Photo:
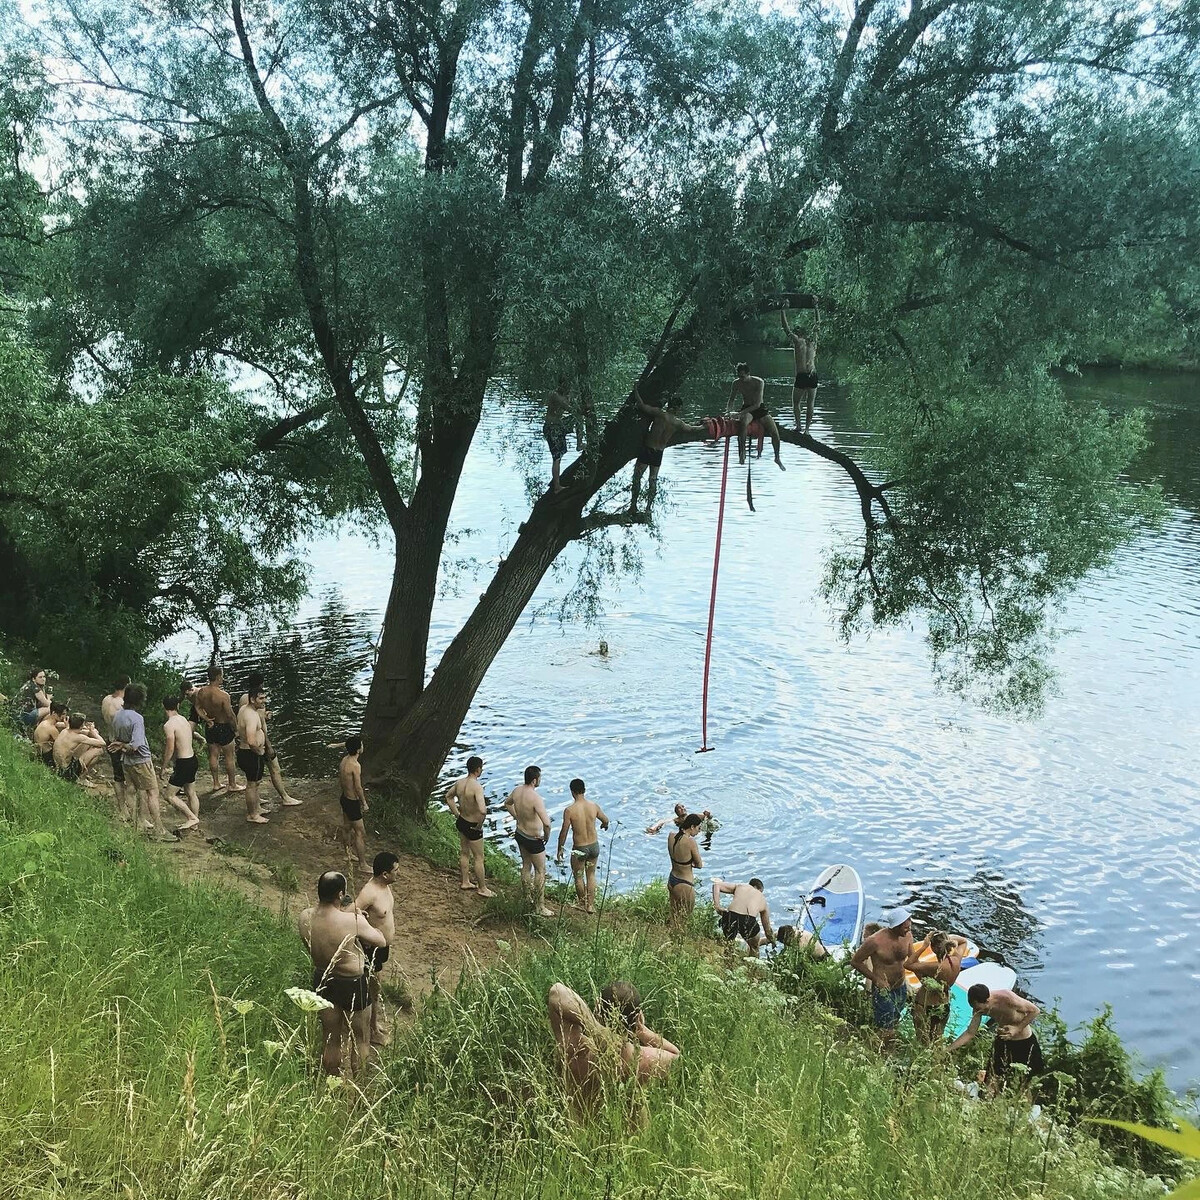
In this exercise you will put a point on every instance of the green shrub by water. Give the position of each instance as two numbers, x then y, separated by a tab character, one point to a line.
147	1050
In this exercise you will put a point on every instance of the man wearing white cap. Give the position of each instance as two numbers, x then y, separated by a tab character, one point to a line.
881	958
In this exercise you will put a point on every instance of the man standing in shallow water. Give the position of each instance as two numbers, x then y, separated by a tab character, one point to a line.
880	959
533	828
580	816
465	800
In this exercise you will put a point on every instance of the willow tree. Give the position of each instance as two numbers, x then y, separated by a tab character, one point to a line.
384	208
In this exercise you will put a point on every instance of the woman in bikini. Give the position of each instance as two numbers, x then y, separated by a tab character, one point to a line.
685	858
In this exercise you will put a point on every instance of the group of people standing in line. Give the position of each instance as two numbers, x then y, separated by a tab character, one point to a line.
666	426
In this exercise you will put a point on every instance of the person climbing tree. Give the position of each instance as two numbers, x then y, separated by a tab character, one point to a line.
665	427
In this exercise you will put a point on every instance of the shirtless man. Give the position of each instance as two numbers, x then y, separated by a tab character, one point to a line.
251	741
335	937
213	707
1015	1040
665	427
109	707
270	754
129	737
378	905
464	799
614	1041
804	389
354	800
747	907
754	408
77	748
556	427
580	817
46	731
178	751
880	958
931	1009
533	828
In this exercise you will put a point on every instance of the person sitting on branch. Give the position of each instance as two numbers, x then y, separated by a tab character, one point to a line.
754	408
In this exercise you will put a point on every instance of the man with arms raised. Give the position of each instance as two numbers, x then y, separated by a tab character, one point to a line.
754	408
354	800
533	828
580	816
1015	1040
880	958
47	730
77	748
614	1041
747	907
378	905
665	427
251	745
335	937
129	737
804	389
109	707
464	799
212	705
179	752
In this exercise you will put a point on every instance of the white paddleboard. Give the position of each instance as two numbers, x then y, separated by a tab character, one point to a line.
994	975
833	909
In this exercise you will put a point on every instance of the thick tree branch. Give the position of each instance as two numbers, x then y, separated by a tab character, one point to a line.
607	520
270	437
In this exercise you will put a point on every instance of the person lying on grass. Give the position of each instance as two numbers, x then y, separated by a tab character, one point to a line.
614	1041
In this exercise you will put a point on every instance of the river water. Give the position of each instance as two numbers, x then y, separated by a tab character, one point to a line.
1067	844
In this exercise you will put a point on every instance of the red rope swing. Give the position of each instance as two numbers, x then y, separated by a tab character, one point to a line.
727	428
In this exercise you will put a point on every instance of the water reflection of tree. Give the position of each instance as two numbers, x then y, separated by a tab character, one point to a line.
986	907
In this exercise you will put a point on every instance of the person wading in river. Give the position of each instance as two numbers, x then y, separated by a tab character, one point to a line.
212	705
754	408
377	903
464	799
533	828
665	428
881	958
804	389
335	938
580	817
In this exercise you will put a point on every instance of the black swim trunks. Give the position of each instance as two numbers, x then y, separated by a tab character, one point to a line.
1027	1052
350	995
220	733
118	766
556	439
806	380
251	763
531	845
759	412
471	832
352	808
738	925
649	456
375	957
185	771
71	771
48	759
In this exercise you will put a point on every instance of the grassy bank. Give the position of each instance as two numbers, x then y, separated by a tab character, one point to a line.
147	1049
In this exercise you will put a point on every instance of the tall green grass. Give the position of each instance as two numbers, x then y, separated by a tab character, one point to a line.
147	1050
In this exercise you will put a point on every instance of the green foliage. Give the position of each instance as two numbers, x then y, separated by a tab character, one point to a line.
1185	1142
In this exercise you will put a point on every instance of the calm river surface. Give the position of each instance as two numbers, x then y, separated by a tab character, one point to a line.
1068	844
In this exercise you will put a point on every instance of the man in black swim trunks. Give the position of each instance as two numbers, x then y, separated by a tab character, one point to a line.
465	800
354	800
533	828
213	706
556	427
378	905
747	907
754	408
335	937
665	427
804	389
1015	1043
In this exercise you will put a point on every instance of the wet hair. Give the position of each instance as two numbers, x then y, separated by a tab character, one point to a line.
330	886
623	999
474	764
978	993
135	697
743	368
76	721
353	744
171	703
214	673
57	709
121	684
691	821
757	883
578	787
786	934
678	807
532	774
384	861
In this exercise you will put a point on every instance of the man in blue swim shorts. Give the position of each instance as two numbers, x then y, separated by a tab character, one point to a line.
880	959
